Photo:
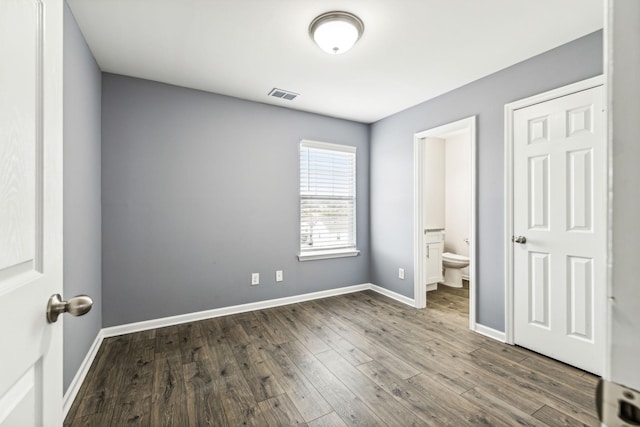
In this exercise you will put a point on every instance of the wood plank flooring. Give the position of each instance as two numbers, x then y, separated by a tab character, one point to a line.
353	360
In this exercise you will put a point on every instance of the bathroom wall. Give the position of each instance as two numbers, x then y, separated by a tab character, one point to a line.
392	162
457	194
434	183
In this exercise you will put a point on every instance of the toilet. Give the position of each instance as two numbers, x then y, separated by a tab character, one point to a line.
453	265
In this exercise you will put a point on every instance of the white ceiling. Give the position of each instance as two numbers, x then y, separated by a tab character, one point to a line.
411	50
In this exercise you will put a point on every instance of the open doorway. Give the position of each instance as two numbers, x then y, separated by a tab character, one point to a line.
445	215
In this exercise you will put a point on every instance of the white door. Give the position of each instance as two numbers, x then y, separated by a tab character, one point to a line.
559	199
30	211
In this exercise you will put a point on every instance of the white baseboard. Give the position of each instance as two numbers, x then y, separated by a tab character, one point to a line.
490	332
74	387
78	379
225	311
393	295
432	287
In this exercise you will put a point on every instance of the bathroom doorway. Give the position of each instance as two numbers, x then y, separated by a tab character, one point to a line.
445	213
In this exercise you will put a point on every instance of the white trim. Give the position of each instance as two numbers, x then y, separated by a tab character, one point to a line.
81	374
327	146
509	110
243	308
608	73
393	295
225	311
419	272
473	235
432	287
490	332
420	290
508	223
129	328
556	93
332	253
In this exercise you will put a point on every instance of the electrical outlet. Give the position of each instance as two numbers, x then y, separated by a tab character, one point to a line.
255	279
279	276
401	273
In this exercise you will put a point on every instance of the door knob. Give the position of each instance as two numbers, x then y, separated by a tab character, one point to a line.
76	306
519	239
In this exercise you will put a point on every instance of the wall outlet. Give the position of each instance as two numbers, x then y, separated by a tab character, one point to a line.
401	273
255	279
279	277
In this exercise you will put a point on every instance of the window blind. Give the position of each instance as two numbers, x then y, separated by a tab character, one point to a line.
327	196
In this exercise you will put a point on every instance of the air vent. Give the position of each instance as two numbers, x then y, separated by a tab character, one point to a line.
283	94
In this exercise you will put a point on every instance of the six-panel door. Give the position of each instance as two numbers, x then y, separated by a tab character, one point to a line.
560	203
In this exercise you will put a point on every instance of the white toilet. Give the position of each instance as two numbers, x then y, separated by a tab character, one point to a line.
453	265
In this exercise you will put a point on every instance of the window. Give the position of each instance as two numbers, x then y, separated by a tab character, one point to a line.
327	201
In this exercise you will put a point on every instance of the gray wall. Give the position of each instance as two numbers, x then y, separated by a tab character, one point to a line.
392	166
82	212
200	190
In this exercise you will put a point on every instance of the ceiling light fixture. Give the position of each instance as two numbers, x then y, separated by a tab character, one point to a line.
336	32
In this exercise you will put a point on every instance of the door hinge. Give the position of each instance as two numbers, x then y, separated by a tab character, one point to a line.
617	405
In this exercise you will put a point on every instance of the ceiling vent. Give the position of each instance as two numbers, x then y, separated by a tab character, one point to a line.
283	94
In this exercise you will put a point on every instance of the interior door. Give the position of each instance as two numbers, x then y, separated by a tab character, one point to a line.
30	211
559	254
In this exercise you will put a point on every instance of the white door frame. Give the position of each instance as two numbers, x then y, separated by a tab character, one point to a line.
419	260
509	110
621	54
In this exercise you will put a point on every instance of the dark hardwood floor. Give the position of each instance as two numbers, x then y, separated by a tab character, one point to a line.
357	359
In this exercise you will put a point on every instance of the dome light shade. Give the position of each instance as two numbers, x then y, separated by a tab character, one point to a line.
336	32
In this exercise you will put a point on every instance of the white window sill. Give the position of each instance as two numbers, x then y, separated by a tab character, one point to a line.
335	253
